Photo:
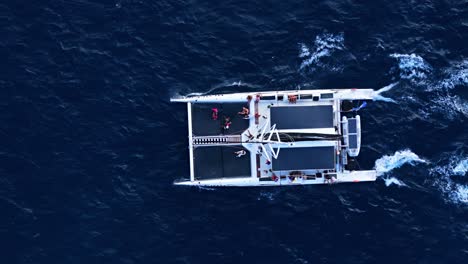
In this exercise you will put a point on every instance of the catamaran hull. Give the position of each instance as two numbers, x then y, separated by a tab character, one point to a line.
351	177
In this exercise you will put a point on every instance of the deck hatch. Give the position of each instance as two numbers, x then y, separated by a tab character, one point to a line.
353	141
268	97
326	96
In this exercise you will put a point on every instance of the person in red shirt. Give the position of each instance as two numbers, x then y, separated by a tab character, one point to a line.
214	113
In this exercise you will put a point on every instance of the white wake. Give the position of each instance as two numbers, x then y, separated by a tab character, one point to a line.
393	180
378	97
412	67
445	178
324	46
387	163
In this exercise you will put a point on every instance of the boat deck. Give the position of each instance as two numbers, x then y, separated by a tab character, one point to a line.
204	125
220	162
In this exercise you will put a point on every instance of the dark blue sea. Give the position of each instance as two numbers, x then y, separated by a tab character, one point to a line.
90	144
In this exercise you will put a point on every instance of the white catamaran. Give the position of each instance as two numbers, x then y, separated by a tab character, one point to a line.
275	138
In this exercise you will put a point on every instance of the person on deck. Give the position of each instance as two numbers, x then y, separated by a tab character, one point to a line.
240	153
227	123
214	113
292	98
245	112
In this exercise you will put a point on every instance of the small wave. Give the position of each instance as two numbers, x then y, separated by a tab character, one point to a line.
269	196
305	52
225	84
205	188
17	206
203	93
412	67
324	46
239	83
393	180
388	163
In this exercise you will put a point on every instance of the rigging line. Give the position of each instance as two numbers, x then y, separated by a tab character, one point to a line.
291	138
359	166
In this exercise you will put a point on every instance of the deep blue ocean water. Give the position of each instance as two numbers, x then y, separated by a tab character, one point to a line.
90	145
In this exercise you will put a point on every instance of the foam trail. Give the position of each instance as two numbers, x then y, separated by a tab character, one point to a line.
412	67
461	168
224	85
459	193
305	52
457	75
203	93
386	88
454	191
393	180
450	105
378	97
457	165
388	163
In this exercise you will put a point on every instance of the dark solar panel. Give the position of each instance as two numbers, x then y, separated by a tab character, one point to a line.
326	96
302	117
352	141
305	158
352	125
